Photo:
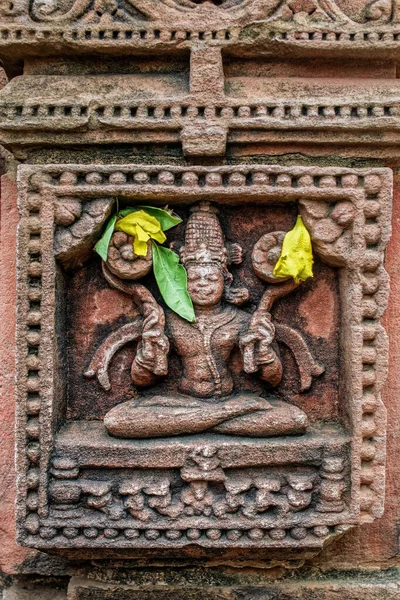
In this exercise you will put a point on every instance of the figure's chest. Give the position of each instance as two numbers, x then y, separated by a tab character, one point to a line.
225	337
197	339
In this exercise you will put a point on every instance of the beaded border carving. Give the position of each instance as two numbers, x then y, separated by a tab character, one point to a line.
364	292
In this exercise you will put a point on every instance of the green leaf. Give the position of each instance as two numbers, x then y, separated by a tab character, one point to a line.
164	217
102	245
171	279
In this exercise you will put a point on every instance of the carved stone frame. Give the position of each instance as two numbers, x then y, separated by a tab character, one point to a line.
363	291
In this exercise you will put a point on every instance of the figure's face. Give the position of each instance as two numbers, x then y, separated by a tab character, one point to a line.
205	284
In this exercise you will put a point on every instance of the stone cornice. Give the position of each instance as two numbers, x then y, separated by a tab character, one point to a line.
82	110
276	29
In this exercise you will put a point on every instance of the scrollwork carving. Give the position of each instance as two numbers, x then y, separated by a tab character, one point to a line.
379	10
78	227
53	10
330	229
9	8
310	10
89	10
228	10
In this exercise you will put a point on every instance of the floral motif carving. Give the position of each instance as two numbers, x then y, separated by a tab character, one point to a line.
149	497
192	3
312	10
78	226
315	10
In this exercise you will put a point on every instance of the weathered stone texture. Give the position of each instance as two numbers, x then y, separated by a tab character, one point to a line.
352	203
377	544
30	591
243	455
296	591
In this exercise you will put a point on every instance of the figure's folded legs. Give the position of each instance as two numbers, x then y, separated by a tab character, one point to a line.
282	419
148	420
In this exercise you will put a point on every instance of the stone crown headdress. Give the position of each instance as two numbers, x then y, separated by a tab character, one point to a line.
205	245
204	240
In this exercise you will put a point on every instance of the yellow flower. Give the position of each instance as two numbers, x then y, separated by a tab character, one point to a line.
142	227
296	258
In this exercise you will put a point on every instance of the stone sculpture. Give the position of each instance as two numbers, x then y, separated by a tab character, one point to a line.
227	94
207	399
202	486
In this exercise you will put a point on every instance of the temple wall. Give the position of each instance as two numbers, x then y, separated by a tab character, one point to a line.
353	560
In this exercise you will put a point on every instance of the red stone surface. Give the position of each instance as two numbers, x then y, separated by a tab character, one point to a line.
359	60
11	555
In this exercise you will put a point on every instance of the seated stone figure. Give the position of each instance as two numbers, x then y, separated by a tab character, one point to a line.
206	401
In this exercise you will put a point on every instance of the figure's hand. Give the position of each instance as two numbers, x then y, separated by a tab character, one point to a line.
256	344
261	328
154	346
152	352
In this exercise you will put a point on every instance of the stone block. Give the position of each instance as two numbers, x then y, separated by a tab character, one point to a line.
80	589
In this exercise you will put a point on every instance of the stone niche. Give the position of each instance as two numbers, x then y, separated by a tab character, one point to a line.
315	474
189	104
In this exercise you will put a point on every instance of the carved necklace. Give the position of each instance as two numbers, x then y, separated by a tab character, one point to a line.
207	328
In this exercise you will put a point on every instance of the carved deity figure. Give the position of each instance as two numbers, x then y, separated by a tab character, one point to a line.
206	400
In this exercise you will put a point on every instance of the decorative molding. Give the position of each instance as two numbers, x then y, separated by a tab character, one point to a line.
201	125
382	11
206	107
135	26
171	114
348	214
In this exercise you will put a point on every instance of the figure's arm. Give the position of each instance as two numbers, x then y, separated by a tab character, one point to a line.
99	364
151	360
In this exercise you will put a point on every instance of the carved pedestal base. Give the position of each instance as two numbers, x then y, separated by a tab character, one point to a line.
212	490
